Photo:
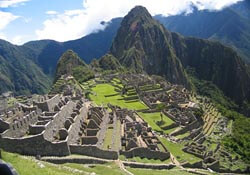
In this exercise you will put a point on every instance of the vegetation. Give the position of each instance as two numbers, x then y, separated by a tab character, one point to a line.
30	166
154	120
103	94
239	140
83	73
176	150
137	171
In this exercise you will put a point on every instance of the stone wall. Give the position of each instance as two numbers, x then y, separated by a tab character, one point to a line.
146	153
194	165
193	125
149	166
49	104
34	145
93	151
20	127
78	160
76	126
58	122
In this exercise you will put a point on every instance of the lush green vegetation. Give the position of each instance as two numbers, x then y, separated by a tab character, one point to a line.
83	73
103	94
175	171
106	169
176	150
27	166
239	140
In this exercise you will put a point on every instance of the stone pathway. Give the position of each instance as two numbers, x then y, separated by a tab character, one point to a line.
103	130
122	167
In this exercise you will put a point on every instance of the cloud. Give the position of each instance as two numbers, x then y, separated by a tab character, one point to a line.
6	18
51	12
77	23
11	3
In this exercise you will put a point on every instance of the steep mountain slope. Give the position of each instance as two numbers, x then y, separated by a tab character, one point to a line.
142	44
19	74
107	62
230	26
71	64
217	63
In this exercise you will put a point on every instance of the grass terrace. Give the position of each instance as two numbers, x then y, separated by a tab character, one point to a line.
154	120
176	150
108	138
103	94
175	171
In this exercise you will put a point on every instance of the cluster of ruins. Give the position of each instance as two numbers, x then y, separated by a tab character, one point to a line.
64	124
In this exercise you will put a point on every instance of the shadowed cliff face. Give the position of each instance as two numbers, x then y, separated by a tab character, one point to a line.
144	45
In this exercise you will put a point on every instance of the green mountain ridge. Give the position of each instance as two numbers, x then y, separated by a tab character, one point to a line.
141	44
18	73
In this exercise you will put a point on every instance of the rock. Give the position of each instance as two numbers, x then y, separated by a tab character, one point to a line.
63	134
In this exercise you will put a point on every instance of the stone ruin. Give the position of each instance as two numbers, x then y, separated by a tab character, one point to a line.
137	139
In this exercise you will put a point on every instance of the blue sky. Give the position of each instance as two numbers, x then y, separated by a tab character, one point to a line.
63	20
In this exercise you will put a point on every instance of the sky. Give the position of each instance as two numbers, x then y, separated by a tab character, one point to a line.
62	20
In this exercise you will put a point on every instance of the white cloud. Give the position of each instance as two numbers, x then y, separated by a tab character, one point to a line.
10	3
18	40
2	36
6	18
74	24
51	12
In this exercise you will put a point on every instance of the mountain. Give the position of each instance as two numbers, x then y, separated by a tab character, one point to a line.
144	45
71	64
91	46
230	26
18	73
106	63
29	68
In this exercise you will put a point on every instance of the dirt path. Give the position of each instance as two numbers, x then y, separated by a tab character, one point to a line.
122	167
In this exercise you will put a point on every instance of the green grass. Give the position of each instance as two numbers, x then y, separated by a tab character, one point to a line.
175	171
183	135
108	139
176	150
29	167
153	118
144	160
106	169
102	90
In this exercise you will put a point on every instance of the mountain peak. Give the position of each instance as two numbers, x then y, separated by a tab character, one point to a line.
68	61
139	10
137	14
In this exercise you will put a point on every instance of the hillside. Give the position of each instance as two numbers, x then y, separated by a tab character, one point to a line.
95	45
142	44
230	26
18	73
71	64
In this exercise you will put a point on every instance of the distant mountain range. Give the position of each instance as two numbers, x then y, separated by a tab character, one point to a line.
29	68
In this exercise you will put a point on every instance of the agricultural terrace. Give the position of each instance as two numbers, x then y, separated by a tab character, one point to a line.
102	94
